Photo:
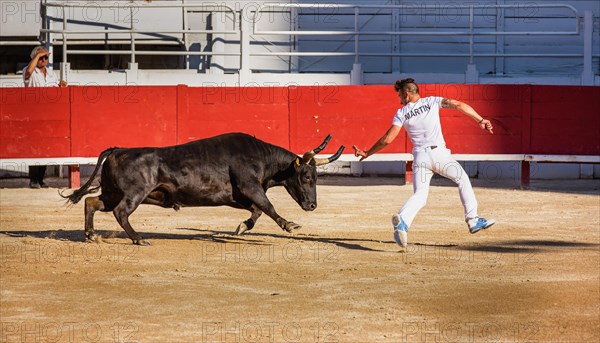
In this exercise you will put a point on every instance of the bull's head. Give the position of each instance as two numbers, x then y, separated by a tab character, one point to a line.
302	186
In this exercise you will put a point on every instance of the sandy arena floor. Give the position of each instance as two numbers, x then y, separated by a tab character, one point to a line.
533	277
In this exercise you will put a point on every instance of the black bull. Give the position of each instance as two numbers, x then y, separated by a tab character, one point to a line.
232	170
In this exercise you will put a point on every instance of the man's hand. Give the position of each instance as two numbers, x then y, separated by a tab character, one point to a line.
62	83
42	52
359	153
485	124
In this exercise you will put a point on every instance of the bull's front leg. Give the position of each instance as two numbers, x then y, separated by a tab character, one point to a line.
287	226
284	224
269	210
257	195
249	223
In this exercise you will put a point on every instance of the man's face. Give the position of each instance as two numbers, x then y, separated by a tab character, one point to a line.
404	96
43	61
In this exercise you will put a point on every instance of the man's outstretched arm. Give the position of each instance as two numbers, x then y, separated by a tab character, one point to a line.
469	111
381	143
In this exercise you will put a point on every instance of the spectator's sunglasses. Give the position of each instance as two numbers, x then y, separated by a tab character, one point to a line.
45	57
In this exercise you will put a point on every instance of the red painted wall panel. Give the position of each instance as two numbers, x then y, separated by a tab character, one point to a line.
463	135
351	114
83	121
125	116
34	122
258	111
565	120
505	105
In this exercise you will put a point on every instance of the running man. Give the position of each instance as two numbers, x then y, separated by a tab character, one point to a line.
421	118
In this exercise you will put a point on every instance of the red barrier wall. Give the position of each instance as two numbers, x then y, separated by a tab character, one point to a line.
565	120
507	106
209	111
104	117
351	114
34	122
82	121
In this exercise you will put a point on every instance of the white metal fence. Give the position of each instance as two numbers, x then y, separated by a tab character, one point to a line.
247	33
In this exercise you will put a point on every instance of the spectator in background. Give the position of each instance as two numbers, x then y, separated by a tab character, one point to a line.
37	74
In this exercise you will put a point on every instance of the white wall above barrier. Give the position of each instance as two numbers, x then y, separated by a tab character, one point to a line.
488	42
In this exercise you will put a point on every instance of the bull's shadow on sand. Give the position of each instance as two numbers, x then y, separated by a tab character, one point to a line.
250	238
525	246
346	243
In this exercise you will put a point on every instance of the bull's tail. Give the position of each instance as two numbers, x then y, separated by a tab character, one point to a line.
76	196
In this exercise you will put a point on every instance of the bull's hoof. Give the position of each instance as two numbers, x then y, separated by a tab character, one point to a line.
291	226
92	238
142	242
241	229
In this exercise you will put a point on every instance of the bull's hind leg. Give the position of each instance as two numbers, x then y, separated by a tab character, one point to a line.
122	212
248	224
92	204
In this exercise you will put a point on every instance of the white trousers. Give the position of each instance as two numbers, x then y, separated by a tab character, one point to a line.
440	161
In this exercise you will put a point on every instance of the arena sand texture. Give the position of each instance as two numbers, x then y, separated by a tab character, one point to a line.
533	277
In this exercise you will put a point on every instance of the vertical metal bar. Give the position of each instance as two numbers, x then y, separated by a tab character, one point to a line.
500	39
471	34
74	176
294	60
64	36
408	174
132	35
185	35
396	40
45	25
587	77
245	32
356	36
525	174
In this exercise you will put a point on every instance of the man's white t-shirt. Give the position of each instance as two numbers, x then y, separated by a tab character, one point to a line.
421	120
37	78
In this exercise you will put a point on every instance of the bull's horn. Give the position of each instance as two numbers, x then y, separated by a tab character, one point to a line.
309	155
322	161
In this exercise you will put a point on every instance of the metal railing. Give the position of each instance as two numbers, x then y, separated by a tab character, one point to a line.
246	25
132	31
357	32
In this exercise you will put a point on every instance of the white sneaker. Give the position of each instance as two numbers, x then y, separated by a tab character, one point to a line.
400	230
481	224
